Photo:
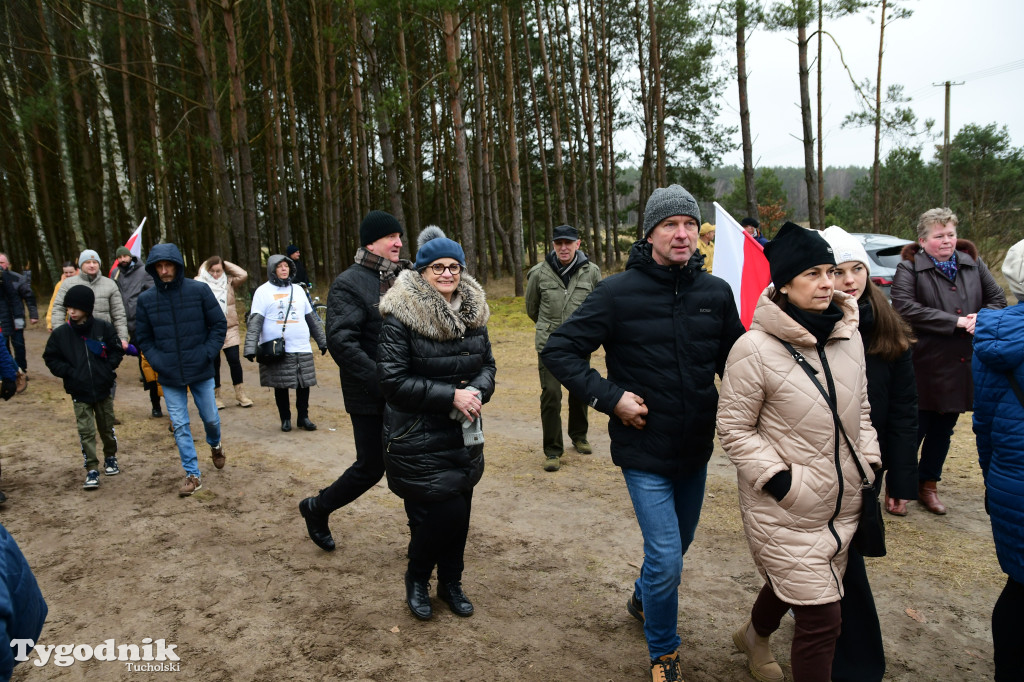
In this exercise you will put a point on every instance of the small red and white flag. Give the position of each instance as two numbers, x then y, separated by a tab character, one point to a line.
134	244
740	261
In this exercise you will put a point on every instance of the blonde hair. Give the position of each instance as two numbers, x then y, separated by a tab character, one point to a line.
934	216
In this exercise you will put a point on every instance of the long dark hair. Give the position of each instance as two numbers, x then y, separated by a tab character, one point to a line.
892	335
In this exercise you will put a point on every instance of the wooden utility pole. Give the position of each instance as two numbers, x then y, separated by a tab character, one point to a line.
945	145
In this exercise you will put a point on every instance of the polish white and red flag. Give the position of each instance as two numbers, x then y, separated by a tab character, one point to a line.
134	244
740	261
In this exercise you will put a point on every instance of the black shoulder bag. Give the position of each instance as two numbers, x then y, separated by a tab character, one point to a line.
869	539
270	352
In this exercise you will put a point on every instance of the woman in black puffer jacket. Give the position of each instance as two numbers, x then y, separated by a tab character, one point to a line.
436	371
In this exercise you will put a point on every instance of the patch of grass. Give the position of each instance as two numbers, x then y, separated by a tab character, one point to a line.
508	312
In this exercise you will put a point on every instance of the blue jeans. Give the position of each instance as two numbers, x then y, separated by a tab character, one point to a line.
176	398
668	510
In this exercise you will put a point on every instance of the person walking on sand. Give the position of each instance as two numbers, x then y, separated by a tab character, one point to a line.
85	352
223	278
555	288
180	329
132	279
353	327
666	327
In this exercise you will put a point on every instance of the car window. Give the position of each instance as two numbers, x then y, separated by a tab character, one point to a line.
889	256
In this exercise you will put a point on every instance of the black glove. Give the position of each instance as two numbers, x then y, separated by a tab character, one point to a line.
323	350
779	484
250	357
7	388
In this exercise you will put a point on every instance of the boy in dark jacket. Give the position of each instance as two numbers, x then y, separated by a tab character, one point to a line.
84	352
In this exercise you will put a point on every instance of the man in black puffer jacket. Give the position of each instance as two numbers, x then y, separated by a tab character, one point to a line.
180	329
667	328
353	325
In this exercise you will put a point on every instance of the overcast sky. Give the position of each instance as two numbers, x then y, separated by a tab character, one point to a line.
943	40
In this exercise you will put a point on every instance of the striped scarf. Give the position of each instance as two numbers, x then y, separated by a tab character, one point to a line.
387	270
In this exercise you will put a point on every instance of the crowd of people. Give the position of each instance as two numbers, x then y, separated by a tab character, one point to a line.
831	391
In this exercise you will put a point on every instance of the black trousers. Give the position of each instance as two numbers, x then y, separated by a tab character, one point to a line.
860	656
301	402
438	537
1009	656
366	471
231	353
934	432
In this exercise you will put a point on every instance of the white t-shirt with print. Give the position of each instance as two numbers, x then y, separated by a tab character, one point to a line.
272	302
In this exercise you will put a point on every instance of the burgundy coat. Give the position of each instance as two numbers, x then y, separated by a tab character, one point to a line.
932	304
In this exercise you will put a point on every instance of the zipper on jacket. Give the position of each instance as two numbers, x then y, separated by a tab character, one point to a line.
830	386
404	433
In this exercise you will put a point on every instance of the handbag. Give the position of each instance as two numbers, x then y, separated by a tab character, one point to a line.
270	352
869	539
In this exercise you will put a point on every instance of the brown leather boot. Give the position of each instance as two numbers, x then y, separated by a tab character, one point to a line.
929	497
895	506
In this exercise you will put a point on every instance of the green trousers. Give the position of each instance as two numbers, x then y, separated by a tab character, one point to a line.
90	418
551	414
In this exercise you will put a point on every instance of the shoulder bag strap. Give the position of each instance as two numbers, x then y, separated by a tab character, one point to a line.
810	371
288	310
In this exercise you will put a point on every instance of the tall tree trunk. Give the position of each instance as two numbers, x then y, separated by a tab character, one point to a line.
741	79
129	116
821	150
276	180
323	130
163	204
481	162
291	107
252	232
876	192
511	145
91	178
657	100
227	195
567	70
452	50
588	115
27	166
805	110
63	147
360	116
606	107
647	166
556	133
387	151
541	145
107	114
415	180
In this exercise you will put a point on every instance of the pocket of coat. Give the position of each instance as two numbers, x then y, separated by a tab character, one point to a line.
789	501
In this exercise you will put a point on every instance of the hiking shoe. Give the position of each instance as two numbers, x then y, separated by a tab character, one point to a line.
583	446
635	607
666	668
21	382
191	484
218	456
110	467
92	480
552	464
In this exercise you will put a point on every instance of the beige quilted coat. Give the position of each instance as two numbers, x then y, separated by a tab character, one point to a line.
771	418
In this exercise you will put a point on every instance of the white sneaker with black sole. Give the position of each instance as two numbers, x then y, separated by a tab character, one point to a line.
92	480
110	467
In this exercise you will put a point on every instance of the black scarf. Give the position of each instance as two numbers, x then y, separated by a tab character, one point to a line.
565	272
820	325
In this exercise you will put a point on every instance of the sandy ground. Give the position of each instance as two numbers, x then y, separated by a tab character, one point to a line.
230	577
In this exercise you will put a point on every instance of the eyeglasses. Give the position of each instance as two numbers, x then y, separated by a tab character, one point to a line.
439	269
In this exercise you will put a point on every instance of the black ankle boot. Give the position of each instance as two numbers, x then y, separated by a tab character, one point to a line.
306	424
316	524
451	593
417	596
286	424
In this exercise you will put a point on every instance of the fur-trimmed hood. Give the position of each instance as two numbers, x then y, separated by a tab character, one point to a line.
962	245
422	308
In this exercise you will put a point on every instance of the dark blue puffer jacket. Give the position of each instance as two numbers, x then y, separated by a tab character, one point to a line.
999	426
22	608
179	325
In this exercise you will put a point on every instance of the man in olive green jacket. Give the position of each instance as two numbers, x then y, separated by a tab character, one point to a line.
555	288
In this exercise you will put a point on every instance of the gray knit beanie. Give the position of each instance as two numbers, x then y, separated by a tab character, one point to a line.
89	254
666	202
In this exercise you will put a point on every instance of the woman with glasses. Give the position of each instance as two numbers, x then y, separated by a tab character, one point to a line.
436	371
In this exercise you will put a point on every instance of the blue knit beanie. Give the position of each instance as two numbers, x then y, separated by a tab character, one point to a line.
433	244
